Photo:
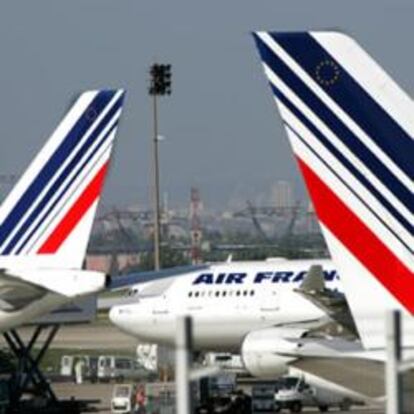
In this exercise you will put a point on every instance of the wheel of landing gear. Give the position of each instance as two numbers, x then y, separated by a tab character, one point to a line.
296	407
345	405
323	408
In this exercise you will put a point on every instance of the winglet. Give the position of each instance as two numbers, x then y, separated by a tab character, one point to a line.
314	280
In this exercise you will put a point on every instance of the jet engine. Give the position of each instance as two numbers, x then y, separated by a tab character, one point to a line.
263	351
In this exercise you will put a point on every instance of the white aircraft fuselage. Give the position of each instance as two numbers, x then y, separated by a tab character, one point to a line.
226	302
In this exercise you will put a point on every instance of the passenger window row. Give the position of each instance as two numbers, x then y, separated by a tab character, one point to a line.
221	293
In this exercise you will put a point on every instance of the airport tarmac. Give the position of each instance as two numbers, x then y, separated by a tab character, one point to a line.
101	335
98	335
103	393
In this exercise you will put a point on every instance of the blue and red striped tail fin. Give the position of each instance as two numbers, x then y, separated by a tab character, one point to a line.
351	128
47	218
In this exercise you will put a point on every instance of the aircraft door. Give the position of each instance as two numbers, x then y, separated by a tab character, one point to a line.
269	304
160	308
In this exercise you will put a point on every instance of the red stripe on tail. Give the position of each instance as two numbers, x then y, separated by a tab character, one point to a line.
359	240
75	214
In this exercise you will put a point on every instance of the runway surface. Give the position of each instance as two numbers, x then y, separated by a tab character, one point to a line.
99	335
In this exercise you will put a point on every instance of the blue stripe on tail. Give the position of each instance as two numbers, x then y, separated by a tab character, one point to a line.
352	98
74	136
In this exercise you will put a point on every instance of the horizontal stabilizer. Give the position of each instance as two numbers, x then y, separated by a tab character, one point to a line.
68	283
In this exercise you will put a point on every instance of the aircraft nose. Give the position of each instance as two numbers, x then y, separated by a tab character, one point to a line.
129	318
119	316
113	314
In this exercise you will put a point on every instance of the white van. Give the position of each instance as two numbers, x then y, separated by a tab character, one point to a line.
66	366
293	393
123	399
119	369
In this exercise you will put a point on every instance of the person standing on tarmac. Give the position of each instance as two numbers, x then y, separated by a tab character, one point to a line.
79	371
140	400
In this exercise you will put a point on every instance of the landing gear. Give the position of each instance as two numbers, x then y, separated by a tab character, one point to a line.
28	380
345	405
296	407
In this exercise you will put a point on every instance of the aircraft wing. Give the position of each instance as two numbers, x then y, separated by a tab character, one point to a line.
337	360
121	282
125	281
333	303
363	376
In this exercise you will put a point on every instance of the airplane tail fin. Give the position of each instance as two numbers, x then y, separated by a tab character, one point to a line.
47	218
351	128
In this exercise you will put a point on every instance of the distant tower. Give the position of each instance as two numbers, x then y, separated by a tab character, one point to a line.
311	223
283	196
196	233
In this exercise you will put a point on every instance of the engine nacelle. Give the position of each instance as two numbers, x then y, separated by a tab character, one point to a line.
262	352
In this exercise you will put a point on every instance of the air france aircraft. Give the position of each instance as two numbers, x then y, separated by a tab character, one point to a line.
46	220
351	128
234	305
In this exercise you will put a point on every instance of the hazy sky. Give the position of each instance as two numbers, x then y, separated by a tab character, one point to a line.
223	133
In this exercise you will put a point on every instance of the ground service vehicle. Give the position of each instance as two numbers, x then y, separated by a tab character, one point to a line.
293	393
123	399
119	368
68	364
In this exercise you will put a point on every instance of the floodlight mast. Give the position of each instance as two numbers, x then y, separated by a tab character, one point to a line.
160	85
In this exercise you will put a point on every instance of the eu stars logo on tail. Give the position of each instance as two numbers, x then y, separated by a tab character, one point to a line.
47	218
351	128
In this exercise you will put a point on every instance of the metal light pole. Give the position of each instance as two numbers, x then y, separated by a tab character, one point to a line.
392	366
156	190
183	356
160	85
